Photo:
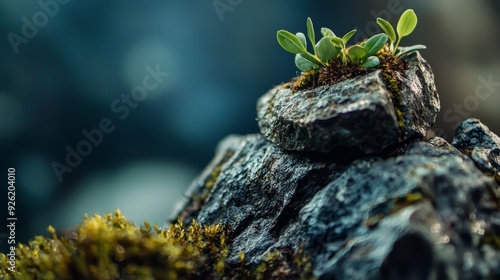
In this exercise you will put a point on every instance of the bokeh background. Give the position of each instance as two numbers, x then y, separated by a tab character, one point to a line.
89	53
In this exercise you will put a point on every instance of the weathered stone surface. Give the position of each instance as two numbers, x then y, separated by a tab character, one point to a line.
475	139
419	99
425	212
359	112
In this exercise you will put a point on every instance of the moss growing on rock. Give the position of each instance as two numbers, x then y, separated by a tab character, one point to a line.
111	247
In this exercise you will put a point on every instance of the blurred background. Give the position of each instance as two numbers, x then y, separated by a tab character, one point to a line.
67	65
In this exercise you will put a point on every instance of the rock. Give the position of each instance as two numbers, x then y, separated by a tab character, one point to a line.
419	99
361	112
396	207
483	146
423	212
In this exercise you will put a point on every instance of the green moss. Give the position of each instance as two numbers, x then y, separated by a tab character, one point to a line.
278	264
305	80
396	96
111	247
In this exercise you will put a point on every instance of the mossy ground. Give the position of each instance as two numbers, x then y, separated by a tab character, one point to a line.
111	247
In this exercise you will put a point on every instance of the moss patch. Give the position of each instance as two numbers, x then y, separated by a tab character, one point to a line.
111	247
279	264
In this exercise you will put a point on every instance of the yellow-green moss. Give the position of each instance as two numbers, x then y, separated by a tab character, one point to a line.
278	264
111	247
393	87
305	79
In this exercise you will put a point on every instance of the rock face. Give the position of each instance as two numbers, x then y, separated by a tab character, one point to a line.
358	112
422	209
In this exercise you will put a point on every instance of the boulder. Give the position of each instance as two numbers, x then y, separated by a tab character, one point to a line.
367	113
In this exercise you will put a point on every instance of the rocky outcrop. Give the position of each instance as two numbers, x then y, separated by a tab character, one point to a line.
420	209
368	113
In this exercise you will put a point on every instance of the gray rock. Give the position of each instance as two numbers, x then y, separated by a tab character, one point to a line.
360	112
419	99
424	212
483	146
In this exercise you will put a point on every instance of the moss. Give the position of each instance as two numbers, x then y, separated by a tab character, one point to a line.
111	247
282	263
396	96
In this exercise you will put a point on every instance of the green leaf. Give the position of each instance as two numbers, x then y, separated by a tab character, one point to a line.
310	31
290	42
388	29
356	53
326	50
370	62
348	36
336	41
407	23
302	38
375	43
404	50
327	32
310	57
303	63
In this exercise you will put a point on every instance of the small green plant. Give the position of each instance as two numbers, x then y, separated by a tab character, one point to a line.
331	47
406	24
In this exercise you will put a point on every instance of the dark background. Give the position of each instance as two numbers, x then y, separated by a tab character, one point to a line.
89	53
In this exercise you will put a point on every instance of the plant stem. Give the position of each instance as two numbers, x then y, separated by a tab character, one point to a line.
397	45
